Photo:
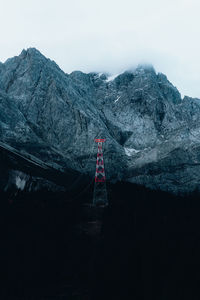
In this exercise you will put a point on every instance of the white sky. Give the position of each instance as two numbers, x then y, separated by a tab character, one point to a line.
108	35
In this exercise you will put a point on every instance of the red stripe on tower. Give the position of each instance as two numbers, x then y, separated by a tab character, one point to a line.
100	193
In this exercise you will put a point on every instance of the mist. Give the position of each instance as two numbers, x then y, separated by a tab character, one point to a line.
108	36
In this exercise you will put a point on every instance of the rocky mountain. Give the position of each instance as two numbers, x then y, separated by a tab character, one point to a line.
152	134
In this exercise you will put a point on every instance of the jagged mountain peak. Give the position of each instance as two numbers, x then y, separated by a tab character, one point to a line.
140	69
146	67
30	59
31	51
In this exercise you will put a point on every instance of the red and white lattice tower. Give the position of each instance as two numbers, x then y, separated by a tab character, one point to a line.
100	192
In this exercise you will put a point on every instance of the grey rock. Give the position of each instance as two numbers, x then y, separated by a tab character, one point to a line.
152	135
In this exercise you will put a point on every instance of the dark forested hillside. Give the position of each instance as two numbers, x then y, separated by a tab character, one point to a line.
144	245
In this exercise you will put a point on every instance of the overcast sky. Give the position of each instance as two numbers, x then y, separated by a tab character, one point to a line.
108	35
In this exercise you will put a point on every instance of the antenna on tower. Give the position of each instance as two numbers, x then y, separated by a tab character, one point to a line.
100	191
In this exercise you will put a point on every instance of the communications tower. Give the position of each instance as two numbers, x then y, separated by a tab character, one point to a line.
100	192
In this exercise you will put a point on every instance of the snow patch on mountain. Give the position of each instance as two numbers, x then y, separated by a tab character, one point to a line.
20	183
117	99
112	77
131	151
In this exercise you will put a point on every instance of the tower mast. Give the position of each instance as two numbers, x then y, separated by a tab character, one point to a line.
100	192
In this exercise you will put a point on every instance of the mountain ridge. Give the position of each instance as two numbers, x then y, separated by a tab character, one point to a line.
146	123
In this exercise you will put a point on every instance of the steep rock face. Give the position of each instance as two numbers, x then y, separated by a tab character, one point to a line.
56	108
152	135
